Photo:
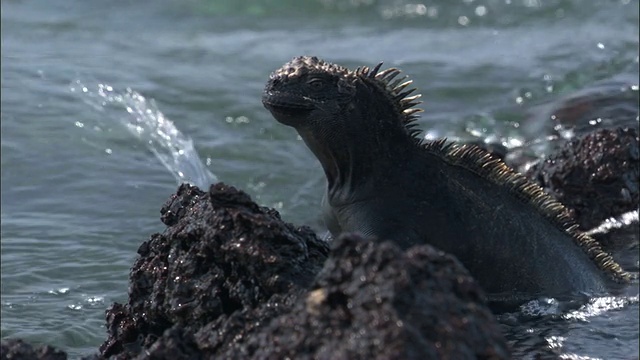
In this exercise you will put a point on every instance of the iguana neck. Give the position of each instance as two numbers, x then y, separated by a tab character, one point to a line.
358	159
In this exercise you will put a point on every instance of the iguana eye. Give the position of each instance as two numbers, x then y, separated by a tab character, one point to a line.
316	84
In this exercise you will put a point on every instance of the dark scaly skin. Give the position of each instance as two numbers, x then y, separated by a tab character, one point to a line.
383	181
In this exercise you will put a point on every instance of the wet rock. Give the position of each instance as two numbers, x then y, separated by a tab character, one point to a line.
16	349
220	254
374	301
371	301
229	279
596	176
176	342
234	336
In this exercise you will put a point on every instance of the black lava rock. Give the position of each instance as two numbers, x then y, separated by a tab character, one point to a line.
16	349
596	176
374	301
221	253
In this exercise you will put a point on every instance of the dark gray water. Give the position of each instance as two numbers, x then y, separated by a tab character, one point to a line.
107	105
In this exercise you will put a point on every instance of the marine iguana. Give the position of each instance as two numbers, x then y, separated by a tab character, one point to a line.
384	181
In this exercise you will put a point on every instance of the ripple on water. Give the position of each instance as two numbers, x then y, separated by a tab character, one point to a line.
601	329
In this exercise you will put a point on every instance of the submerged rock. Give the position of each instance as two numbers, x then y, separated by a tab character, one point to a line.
229	279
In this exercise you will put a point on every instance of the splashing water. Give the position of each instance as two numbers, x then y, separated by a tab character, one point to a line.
616	222
548	328
149	125
594	307
599	305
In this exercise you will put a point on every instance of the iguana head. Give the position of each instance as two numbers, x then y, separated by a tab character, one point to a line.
352	120
307	89
309	93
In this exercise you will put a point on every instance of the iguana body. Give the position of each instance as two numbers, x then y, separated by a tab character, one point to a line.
383	181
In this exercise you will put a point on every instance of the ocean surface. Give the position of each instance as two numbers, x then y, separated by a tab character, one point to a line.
107	106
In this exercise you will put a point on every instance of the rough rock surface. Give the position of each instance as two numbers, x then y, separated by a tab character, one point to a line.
373	301
229	279
16	349
221	253
596	176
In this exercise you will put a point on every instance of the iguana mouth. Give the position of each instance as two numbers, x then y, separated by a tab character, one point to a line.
286	104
